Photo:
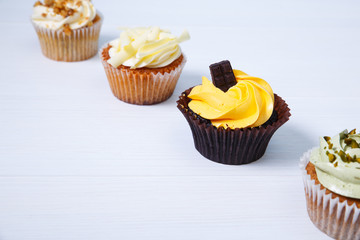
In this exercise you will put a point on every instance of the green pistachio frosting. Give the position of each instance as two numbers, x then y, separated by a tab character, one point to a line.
337	163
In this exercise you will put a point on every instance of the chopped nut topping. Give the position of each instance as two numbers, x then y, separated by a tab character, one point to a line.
67	29
327	138
49	3
38	3
353	131
56	10
349	158
70	12
354	144
63	13
336	164
351	143
331	157
59	7
342	155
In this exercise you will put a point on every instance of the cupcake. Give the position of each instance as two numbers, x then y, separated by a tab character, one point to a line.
144	64
332	185
232	118
68	30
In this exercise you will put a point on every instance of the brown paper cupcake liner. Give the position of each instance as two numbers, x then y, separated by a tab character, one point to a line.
82	44
141	87
232	146
338	219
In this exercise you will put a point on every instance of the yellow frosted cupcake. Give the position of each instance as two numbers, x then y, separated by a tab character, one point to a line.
332	185
233	117
144	64
68	30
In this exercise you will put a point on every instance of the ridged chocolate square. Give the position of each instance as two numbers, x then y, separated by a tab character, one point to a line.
222	75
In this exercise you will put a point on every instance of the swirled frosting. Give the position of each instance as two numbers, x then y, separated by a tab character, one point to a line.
249	103
58	13
149	47
337	163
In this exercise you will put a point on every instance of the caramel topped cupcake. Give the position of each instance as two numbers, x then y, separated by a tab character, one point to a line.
144	64
68	30
232	118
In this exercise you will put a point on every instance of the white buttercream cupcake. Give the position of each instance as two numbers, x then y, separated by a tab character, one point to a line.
68	30
144	64
332	185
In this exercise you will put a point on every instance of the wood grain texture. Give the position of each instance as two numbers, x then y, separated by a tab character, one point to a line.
76	163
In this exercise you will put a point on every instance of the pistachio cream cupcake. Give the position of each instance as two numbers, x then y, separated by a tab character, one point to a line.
232	118
68	30
144	64
331	175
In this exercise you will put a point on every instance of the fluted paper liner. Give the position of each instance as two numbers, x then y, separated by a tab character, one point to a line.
337	219
232	146
141	88
82	44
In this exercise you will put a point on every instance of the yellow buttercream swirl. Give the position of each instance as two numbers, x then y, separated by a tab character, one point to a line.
249	103
149	47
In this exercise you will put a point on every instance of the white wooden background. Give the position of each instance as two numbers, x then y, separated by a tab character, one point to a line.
76	163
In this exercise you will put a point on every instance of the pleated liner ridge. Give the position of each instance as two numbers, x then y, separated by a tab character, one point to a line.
82	44
141	88
338	219
232	146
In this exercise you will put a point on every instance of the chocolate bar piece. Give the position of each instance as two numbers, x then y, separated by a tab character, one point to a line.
222	75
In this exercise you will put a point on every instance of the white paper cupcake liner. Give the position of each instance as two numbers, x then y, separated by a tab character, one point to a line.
337	219
82	44
138	87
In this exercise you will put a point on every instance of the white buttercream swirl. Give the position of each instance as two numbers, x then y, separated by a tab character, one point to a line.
84	13
149	47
